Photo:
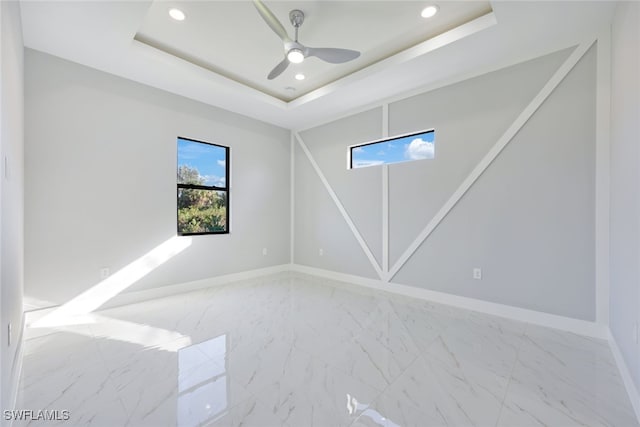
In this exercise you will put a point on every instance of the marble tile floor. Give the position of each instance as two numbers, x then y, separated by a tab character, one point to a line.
295	350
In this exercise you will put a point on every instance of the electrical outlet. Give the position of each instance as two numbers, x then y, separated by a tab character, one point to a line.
477	273
264	251
104	272
9	333
321	252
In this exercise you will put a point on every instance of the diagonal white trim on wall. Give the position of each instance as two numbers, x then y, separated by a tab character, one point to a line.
502	142
340	207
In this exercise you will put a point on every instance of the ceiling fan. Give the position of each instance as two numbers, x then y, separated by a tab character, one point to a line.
293	50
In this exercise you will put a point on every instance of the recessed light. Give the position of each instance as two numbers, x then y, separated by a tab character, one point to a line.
429	11
300	76
177	14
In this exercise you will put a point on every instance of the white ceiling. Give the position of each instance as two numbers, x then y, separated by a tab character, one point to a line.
100	34
230	37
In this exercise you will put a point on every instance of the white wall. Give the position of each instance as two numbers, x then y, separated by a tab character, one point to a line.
11	194
625	184
101	182
528	221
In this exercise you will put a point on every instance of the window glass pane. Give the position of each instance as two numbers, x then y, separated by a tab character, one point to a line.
202	211
400	149
201	164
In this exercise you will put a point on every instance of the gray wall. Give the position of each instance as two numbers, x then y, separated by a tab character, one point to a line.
625	185
528	221
318	224
101	182
11	192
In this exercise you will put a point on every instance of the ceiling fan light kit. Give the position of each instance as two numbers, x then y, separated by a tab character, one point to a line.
296	52
295	55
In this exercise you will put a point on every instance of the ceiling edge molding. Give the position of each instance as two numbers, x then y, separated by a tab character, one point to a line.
200	69
465	30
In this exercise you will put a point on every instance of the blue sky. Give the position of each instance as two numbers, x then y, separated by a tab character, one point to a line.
414	147
209	160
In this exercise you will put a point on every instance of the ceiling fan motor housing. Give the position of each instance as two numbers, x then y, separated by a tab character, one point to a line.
296	17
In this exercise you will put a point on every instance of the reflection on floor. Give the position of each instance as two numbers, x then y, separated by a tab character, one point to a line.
295	350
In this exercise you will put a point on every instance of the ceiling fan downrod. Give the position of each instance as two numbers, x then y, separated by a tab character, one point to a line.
296	16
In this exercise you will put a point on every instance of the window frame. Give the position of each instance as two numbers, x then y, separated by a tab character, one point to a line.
226	188
387	139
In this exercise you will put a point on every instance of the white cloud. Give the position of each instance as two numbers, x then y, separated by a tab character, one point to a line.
222	163
218	181
358	149
381	153
365	163
419	149
188	150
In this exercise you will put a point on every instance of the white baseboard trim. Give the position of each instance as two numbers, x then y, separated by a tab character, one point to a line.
16	370
165	291
632	391
582	327
577	326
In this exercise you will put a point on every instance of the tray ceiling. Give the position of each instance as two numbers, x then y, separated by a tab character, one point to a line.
101	34
231	39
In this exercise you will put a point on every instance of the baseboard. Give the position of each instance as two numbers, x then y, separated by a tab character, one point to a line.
165	291
169	290
632	391
16	370
577	326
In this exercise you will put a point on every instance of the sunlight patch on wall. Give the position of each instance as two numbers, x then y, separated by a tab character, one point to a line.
72	311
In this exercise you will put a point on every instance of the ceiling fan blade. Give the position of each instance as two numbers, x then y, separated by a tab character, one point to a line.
271	20
278	69
333	55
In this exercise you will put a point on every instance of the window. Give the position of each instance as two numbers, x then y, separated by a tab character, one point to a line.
203	188
403	148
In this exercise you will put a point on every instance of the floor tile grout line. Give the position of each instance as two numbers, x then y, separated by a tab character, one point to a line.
409	334
418	356
109	379
415	359
256	393
376	295
513	368
94	341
